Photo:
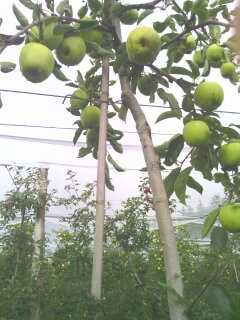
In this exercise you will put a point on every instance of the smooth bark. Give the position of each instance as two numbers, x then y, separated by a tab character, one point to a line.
160	199
39	241
96	285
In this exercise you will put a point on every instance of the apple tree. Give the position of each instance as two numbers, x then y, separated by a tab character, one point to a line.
192	37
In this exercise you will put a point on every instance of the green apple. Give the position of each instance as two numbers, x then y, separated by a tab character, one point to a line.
209	95
49	38
36	62
90	117
147	85
92	137
71	51
196	132
129	17
79	98
143	45
190	43
228	70
199	58
230	217
215	55
230	154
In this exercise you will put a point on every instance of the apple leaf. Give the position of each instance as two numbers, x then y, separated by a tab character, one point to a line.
201	161
180	70
64	8
170	180
110	115
200	9
108	182
77	134
72	85
95	153
169	114
176	145
181	184
6	66
215	33
83	152
116	146
206	69
219	239
224	179
144	14
20	16
87	24
161	26
136	73
82	11
209	222
62	28
28	4
114	105
185	85
194	68
168	97
187	5
230	132
161	150
193	184
114	164
101	52
162	81
50	4
59	74
94	5
187	103
180	19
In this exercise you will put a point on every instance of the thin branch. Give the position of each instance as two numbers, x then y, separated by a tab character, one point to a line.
185	158
179	9
217	273
11	39
197	26
163	73
149	5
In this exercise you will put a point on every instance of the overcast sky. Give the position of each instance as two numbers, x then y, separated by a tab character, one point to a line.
16	147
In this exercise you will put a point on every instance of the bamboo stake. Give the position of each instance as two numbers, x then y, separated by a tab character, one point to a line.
96	285
39	240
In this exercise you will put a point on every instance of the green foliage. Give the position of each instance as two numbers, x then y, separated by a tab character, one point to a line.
134	280
181	21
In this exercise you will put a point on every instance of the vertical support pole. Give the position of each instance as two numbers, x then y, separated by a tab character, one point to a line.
39	240
96	286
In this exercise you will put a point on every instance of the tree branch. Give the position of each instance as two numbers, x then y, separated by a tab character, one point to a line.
206	285
163	73
149	5
197	26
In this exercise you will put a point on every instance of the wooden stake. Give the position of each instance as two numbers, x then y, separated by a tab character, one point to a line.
96	285
39	240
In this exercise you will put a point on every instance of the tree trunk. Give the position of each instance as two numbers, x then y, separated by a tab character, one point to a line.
39	239
160	202
96	285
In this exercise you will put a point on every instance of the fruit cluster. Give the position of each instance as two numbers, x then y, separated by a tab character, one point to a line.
37	61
